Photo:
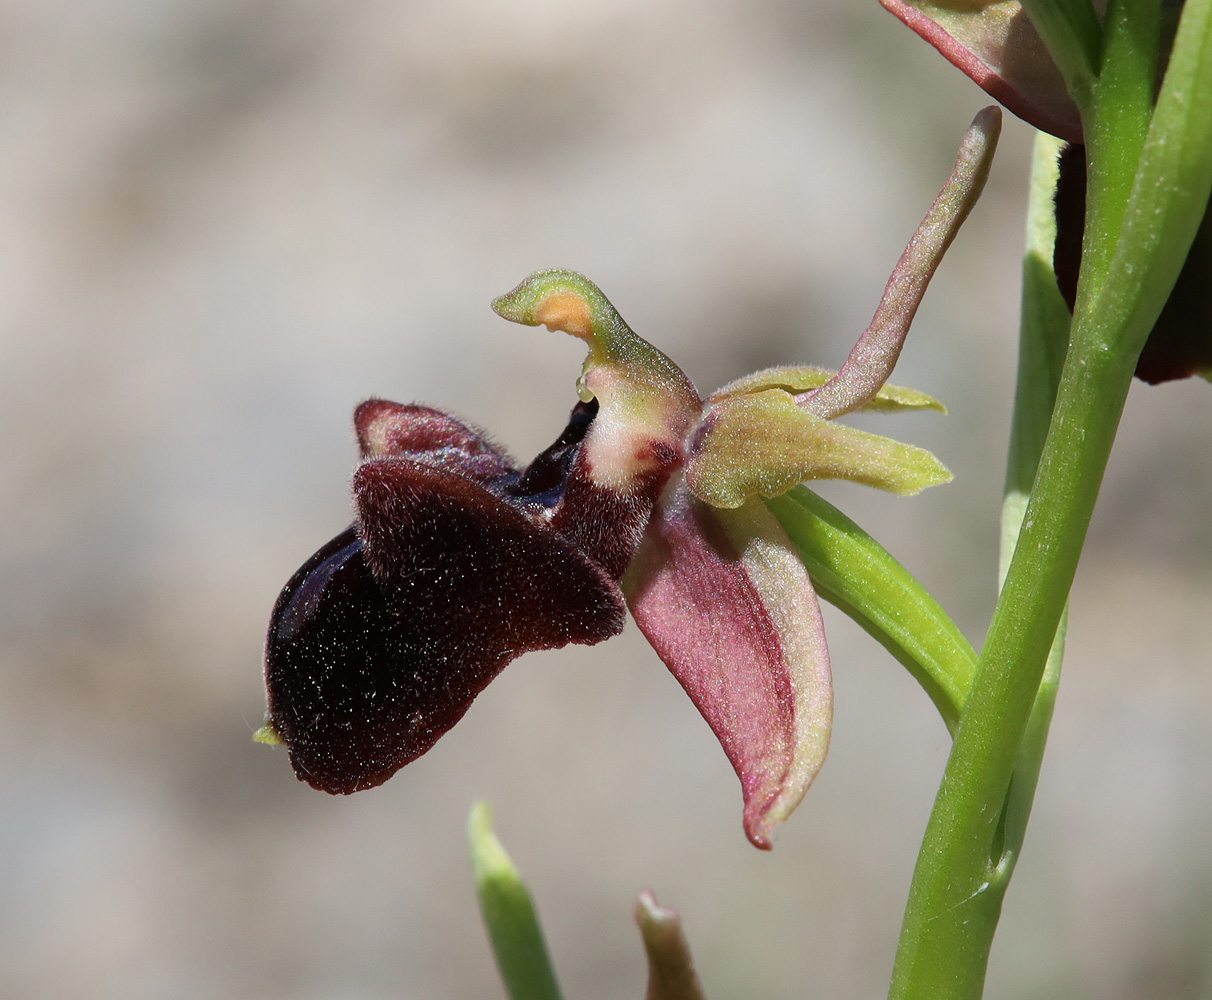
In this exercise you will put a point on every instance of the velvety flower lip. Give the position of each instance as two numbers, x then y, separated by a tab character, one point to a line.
459	560
372	653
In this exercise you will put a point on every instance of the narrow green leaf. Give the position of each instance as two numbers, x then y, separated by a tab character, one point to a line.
1021	794
509	914
1043	340
852	571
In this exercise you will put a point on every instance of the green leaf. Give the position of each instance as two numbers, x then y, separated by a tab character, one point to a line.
509	914
1043	339
851	570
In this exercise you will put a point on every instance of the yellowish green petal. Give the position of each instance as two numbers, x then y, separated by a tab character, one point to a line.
897	398
791	378
763	444
801	378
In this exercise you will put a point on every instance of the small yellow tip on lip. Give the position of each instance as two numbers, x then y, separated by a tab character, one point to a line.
565	312
268	735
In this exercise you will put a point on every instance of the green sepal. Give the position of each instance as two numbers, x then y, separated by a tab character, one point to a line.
763	444
509	914
853	572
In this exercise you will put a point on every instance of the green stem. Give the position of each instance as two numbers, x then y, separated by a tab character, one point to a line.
961	875
954	904
1169	194
1115	130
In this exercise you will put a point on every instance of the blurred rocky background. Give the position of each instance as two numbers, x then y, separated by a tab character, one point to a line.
225	222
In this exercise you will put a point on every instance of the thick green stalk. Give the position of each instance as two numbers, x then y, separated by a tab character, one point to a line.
1115	130
950	922
958	886
953	904
1169	194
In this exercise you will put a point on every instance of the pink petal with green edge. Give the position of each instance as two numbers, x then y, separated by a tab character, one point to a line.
763	444
729	608
997	46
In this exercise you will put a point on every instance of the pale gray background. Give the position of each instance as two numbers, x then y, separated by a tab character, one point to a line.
225	222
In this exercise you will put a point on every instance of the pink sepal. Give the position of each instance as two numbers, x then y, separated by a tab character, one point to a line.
997	46
729	608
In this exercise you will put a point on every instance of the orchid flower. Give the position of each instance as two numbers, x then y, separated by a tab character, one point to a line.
650	499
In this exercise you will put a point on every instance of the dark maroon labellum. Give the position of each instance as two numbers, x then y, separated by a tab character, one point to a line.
381	641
